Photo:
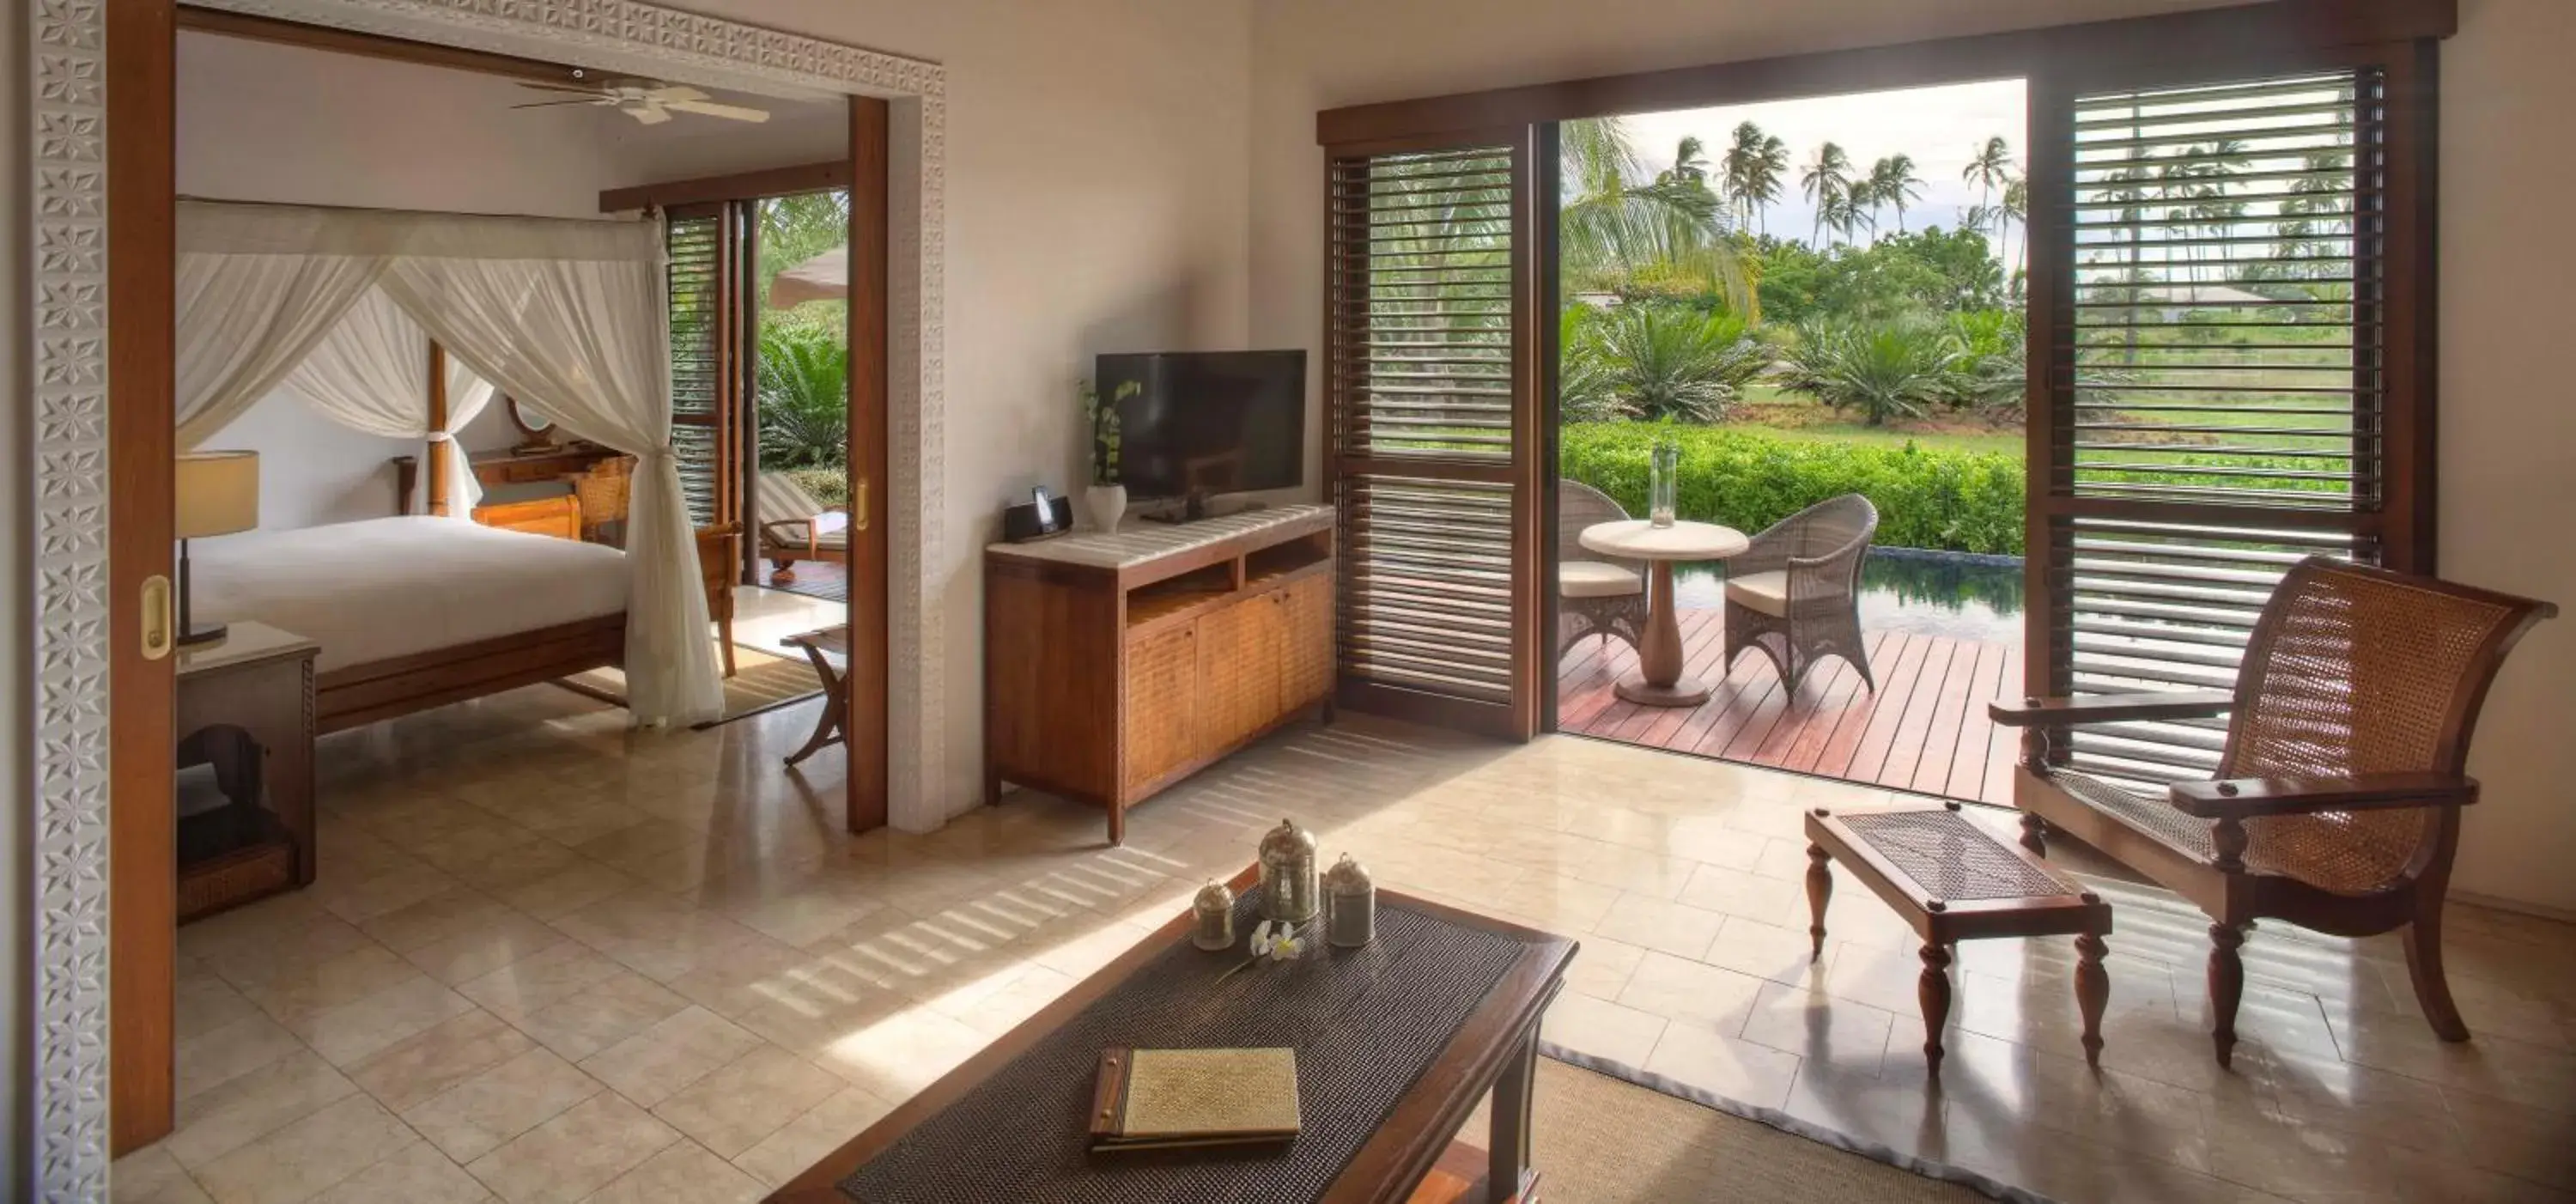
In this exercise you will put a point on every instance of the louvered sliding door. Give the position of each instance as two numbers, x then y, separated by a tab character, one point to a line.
706	266
1432	442
2227	289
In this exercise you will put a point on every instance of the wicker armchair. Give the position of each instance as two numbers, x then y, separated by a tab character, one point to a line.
2337	802
1596	594
603	491
1794	595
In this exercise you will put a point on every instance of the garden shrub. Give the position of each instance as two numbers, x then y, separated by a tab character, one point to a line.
1953	501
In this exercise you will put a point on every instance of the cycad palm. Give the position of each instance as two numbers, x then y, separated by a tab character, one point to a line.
1614	231
1827	184
1753	166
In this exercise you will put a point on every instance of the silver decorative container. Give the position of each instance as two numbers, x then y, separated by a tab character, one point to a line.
1350	904
1212	918
1288	887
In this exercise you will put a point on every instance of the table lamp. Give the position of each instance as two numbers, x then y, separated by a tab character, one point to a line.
217	494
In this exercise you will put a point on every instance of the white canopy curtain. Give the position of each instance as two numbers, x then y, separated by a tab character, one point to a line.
370	373
571	316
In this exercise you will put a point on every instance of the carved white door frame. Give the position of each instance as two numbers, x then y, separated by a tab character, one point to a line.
66	64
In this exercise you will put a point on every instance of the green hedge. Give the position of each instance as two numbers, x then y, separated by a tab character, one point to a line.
1954	501
1944	500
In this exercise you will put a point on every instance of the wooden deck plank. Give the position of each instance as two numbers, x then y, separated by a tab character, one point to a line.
1884	718
1835	758
1949	716
1976	731
1924	727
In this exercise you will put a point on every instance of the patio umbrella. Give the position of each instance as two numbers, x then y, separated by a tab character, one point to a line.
825	277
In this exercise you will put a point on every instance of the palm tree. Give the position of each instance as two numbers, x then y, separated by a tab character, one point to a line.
1989	167
1614	230
1753	165
1690	163
1827	183
2016	208
1893	181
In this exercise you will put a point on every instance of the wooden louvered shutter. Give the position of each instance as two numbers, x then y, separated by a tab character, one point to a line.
2227	292
706	267
1432	442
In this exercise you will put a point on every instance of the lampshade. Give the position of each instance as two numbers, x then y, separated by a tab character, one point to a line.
218	493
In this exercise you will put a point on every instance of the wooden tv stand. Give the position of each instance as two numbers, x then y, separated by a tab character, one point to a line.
1116	665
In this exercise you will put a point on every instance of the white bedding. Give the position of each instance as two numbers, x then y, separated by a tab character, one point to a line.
388	587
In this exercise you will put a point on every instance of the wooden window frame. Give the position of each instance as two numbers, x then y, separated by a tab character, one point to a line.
2400	36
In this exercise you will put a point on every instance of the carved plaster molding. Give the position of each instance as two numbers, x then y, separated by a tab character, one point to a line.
66	50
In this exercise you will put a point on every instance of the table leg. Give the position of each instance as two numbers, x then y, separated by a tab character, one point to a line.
827	727
1507	1168
2092	990
1659	652
1932	990
1820	894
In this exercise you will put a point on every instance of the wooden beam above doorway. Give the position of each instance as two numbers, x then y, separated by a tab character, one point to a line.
376	46
2181	41
739	186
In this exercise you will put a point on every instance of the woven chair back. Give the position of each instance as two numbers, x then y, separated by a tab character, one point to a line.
1829	526
1578	506
2355	670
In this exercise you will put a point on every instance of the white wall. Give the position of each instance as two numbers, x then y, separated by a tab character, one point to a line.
259	122
1096	195
2508	475
2508	432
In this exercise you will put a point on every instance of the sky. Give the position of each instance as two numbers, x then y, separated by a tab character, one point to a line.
1940	127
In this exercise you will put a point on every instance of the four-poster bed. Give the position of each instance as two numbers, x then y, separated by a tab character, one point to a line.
407	325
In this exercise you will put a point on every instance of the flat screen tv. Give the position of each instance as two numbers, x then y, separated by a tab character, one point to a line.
1207	422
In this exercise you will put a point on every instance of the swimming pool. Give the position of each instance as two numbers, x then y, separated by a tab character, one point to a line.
1905	590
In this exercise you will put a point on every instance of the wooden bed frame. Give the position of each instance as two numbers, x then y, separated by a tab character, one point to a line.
356	695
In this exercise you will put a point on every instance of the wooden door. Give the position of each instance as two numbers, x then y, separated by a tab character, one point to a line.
2229	368
1238	687
868	680
1434	459
142	686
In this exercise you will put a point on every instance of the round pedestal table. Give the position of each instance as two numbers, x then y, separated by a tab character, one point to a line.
1659	682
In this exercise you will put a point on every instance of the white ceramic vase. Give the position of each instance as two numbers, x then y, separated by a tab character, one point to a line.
1107	503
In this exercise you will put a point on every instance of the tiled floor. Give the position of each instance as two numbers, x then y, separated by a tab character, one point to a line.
548	960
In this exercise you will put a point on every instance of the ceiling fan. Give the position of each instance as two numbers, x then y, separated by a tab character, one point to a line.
649	103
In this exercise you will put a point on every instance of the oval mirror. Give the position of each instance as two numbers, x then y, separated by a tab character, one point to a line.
538	428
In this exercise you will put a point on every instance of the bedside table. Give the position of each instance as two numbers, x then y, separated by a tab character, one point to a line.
245	707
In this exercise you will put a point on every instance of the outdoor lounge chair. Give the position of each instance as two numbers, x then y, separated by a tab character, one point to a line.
1794	595
2337	802
1596	594
793	526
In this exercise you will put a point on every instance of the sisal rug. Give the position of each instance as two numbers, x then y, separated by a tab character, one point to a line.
762	681
1599	1139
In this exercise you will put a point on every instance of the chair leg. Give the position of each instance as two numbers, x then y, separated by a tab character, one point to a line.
2424	965
2226	985
2034	834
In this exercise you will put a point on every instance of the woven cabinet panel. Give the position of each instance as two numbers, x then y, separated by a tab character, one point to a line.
1238	687
1306	643
1161	731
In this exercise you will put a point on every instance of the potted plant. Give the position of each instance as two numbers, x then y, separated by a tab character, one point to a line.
1107	497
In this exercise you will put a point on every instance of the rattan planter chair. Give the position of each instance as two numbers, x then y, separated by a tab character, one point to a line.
1795	594
1596	594
2337	803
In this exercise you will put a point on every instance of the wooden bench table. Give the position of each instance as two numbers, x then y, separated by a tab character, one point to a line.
1954	882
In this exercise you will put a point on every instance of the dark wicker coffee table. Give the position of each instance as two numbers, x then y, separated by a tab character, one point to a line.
1396	1044
1954	882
